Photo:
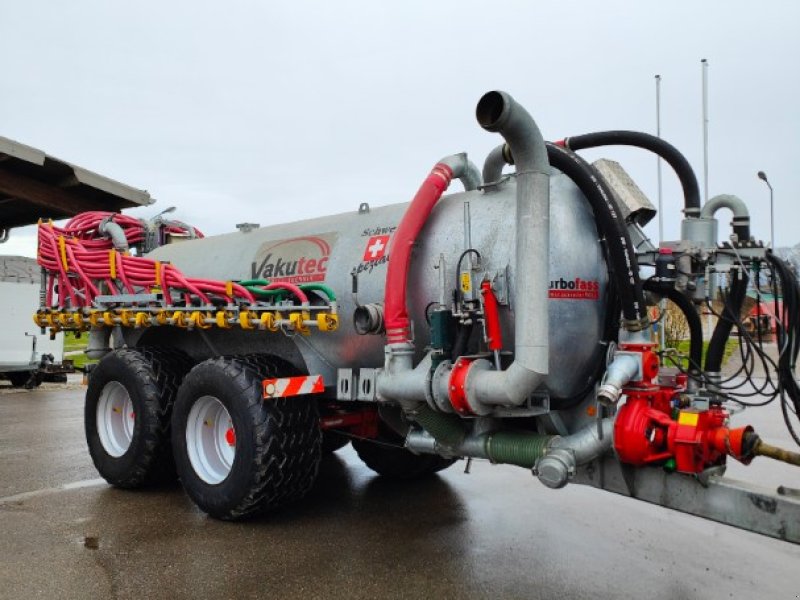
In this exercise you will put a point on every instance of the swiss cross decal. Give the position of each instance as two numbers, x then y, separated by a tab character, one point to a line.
376	247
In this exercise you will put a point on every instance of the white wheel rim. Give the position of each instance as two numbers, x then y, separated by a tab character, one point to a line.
115	419
210	440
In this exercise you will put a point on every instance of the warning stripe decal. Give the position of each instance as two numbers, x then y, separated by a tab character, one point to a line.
285	387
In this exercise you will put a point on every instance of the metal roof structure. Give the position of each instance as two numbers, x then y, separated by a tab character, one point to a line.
35	185
19	269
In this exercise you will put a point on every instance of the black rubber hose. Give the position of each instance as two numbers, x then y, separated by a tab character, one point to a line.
691	191
722	331
685	305
461	342
611	225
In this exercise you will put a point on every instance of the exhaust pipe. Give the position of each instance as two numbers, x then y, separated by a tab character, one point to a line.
484	386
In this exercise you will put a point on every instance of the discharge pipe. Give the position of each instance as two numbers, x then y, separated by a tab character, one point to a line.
484	386
553	458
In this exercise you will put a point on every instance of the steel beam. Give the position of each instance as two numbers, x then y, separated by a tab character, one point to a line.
737	503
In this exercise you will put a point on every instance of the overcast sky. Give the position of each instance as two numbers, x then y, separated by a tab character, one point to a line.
273	112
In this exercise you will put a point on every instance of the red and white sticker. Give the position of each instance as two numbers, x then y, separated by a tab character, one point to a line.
376	247
285	387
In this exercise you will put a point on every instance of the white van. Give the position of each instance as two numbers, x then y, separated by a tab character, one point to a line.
26	355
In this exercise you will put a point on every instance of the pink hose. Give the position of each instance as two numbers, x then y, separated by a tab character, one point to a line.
415	217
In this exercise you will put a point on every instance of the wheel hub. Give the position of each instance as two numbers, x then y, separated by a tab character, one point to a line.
210	440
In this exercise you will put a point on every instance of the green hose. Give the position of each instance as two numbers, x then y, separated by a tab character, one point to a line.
445	429
320	287
255	286
516	448
504	447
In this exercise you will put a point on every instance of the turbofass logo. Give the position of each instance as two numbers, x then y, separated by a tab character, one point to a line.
297	260
574	289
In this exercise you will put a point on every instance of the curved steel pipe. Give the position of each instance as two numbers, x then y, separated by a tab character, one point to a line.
499	112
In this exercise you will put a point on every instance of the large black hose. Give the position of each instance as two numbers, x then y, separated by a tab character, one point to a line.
685	305
788	329
731	315
610	224
691	191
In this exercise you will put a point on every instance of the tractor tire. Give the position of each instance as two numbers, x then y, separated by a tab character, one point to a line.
388	458
236	454
128	412
22	378
333	441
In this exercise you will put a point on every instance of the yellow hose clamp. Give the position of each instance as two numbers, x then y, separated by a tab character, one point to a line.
327	322
296	323
198	319
268	322
244	320
142	319
108	318
95	318
222	319
180	318
126	318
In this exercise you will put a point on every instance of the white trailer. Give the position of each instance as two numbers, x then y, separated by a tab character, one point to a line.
26	354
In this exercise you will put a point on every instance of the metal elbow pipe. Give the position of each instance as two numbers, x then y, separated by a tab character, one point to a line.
498	158
400	381
565	454
115	233
741	216
464	170
499	112
622	370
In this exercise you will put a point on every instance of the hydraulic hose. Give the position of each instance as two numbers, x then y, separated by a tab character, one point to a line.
673	157
722	331
685	305
610	224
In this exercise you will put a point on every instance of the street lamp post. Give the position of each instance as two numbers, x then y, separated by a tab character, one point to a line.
763	177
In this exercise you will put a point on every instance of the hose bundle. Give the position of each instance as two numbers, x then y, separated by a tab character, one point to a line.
81	264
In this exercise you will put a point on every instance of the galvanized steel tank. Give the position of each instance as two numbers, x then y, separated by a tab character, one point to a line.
330	249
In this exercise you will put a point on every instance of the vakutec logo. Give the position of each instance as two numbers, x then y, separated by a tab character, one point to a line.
298	260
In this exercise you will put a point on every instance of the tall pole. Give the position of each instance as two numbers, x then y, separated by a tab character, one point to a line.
662	328
704	67
704	64
763	177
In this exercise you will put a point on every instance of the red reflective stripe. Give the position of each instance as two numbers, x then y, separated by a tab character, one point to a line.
293	386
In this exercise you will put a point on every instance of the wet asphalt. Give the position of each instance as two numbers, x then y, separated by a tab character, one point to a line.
495	533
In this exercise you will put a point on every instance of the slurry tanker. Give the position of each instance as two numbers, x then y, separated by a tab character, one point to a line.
510	322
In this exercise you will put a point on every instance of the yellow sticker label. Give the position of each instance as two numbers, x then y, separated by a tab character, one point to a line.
466	282
688	418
